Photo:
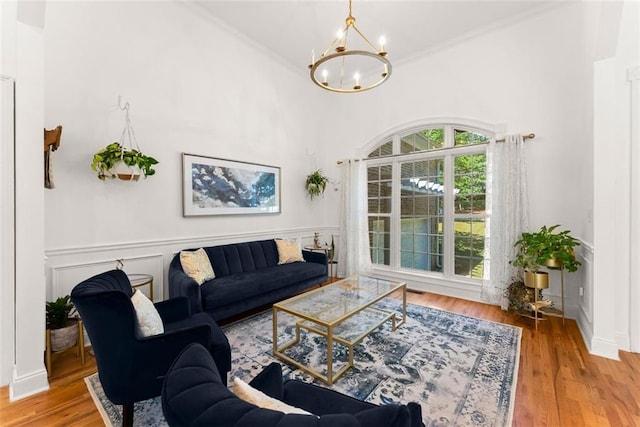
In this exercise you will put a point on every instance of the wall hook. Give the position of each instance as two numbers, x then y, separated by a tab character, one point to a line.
126	104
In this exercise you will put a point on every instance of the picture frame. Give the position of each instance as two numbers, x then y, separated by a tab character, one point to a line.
214	186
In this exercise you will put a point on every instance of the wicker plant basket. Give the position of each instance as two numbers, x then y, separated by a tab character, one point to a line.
64	338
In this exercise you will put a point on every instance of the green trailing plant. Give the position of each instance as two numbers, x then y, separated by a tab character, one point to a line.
537	249
58	312
316	183
105	160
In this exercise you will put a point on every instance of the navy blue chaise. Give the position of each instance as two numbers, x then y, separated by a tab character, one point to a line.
194	395
247	277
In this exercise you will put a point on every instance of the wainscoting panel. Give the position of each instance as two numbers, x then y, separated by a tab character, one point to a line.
65	277
67	267
584	316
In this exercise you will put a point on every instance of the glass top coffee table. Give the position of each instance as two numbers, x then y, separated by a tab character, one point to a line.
343	313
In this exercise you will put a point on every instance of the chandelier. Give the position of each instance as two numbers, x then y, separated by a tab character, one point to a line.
343	70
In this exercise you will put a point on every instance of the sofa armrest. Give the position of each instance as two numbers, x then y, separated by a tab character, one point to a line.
173	309
156	353
269	381
317	257
321	401
182	285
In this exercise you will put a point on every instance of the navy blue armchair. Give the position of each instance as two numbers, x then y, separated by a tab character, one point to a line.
193	395
131	368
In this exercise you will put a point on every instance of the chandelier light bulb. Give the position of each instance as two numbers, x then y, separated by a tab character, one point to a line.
341	41
382	43
356	77
325	74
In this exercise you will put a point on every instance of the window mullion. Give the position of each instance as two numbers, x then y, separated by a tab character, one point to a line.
448	217
395	215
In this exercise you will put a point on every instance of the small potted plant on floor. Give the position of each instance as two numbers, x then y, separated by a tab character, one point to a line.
125	163
316	183
64	329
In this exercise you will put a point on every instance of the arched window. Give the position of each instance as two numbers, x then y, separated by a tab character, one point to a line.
426	190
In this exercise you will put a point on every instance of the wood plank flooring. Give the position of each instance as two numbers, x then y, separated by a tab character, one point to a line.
559	382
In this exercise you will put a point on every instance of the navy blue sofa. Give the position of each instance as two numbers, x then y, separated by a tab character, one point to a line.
194	395
247	276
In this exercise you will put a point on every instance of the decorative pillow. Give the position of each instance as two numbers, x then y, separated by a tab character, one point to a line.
197	265
288	251
148	321
249	394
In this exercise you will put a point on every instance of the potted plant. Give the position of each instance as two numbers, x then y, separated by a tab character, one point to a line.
545	247
127	164
64	329
316	183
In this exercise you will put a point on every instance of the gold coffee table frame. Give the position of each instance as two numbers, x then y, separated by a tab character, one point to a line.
325	310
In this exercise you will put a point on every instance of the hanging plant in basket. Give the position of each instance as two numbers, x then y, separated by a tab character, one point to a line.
127	164
116	160
316	183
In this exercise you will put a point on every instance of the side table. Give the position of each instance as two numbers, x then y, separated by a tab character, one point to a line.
139	280
327	250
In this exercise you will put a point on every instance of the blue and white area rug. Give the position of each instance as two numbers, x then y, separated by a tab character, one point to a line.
462	370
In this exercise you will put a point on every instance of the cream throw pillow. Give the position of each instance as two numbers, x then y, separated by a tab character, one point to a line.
197	265
148	321
249	394
288	251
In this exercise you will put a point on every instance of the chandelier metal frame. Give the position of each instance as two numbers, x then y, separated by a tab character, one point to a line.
339	45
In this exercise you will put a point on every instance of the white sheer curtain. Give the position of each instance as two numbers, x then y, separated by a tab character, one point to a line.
353	249
507	215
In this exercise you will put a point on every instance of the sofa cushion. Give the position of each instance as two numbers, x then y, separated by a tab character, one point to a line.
226	290
288	251
197	265
242	257
249	394
148	321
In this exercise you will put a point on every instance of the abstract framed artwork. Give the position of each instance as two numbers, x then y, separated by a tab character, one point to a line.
212	186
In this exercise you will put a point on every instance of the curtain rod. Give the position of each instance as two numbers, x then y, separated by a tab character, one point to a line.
527	136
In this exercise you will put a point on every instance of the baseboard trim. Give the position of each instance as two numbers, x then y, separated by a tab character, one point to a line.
604	348
27	385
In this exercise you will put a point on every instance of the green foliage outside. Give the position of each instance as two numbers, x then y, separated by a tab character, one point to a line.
469	180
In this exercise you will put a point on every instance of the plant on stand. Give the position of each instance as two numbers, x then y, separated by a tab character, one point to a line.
64	329
548	248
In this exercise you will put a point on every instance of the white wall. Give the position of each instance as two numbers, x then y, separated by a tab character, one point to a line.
534	75
615	294
192	87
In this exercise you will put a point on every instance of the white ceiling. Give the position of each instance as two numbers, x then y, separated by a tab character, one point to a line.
290	29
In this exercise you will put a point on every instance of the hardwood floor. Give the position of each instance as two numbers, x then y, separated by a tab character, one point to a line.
559	382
